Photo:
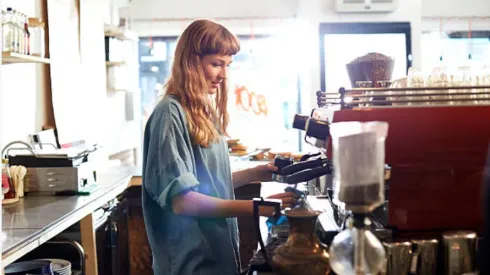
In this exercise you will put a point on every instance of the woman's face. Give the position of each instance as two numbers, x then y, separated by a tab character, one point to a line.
215	67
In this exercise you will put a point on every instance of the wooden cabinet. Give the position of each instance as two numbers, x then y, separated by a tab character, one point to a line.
140	257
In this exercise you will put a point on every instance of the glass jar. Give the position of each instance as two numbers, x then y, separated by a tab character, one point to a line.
356	250
37	39
358	159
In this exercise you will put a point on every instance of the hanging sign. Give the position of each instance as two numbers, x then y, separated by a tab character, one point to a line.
249	101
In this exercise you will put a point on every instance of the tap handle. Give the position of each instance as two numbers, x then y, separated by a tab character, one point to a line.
300	122
308	156
282	162
296	167
307	175
318	128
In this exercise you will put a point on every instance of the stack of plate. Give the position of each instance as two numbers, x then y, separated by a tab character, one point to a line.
29	267
60	267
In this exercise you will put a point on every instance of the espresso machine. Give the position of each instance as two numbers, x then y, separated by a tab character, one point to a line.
435	203
425	215
435	154
304	247
316	170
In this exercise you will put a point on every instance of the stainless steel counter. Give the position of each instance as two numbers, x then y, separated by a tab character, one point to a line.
36	219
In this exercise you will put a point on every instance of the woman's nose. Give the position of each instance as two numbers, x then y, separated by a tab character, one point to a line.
223	74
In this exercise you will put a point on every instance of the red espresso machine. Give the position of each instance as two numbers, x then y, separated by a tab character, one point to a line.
436	150
436	147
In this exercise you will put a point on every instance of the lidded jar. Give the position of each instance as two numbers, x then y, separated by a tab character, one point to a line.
359	164
303	253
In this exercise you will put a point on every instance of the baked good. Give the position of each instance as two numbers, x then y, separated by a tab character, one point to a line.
238	149
232	142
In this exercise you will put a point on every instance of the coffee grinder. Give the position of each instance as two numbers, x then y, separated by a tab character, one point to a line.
358	160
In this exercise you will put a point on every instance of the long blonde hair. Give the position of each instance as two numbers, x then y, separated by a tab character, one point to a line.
206	120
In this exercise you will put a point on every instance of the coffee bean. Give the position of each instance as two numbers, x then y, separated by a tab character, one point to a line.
372	67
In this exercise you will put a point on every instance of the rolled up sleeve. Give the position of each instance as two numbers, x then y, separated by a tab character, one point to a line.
176	181
168	166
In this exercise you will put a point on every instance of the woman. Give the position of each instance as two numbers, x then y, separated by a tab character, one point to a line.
188	196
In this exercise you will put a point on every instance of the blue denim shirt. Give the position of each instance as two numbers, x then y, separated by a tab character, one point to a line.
171	166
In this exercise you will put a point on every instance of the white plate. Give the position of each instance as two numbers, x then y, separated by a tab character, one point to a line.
60	265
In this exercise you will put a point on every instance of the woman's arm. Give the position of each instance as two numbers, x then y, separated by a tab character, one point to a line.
243	177
254	175
200	205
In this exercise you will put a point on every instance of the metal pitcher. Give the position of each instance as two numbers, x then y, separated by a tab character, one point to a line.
459	252
303	253
424	261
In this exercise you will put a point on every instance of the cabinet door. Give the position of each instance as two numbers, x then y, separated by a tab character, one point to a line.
139	248
104	260
119	245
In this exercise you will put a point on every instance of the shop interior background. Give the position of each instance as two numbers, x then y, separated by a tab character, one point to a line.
280	58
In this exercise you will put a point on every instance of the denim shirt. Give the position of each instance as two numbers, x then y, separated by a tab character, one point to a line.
172	165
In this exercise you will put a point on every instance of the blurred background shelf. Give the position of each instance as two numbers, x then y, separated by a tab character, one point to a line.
115	90
122	34
116	63
13	58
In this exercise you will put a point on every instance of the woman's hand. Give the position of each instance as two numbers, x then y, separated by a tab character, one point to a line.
257	174
289	199
262	172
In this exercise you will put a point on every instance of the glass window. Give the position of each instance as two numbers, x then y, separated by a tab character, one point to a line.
264	95
340	49
263	89
156	55
455	49
340	43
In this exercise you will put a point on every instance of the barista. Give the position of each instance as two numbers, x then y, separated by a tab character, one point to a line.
188	188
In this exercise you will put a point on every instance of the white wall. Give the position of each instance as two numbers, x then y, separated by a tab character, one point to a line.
146	14
432	10
22	94
456	8
212	8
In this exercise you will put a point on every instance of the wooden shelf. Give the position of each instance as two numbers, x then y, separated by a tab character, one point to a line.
13	58
114	31
118	63
114	90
